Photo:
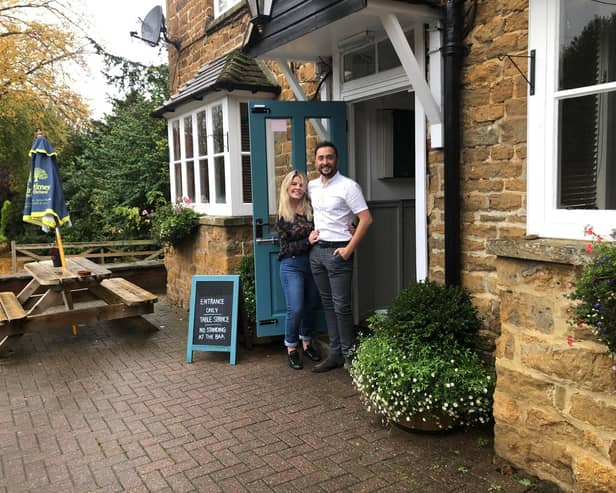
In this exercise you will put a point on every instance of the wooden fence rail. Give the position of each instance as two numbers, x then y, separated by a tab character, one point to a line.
127	250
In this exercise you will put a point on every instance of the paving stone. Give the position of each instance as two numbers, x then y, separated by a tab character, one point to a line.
117	408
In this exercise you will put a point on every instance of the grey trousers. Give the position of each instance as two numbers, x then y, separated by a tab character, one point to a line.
333	276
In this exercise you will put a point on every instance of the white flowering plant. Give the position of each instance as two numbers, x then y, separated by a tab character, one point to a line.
404	374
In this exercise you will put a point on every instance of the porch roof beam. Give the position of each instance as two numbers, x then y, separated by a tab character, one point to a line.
422	13
300	95
411	67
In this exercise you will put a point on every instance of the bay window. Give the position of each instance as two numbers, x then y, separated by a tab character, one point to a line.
572	118
210	158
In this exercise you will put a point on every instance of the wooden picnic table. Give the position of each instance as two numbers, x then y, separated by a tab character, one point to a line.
83	292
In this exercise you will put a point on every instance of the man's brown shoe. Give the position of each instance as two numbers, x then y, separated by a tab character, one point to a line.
332	362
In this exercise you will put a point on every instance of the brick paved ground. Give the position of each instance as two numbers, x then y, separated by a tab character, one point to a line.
117	409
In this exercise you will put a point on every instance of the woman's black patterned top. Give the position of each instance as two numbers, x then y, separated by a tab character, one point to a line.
293	236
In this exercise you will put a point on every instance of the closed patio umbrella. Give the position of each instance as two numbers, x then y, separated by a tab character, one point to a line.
45	205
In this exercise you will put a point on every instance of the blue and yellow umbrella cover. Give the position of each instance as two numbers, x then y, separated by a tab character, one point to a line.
45	205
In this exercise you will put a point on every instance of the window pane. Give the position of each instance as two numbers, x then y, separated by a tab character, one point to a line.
359	63
178	180
190	179
175	130
245	134
204	175
188	137
219	177
201	133
387	55
246	180
587	177
218	129
587	43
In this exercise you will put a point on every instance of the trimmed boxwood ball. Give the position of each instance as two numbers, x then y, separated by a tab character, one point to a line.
434	314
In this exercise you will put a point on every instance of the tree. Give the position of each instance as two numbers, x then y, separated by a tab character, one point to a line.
123	162
38	41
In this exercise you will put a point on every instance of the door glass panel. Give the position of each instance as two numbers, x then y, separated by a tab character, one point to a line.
204	180
317	130
587	43
279	157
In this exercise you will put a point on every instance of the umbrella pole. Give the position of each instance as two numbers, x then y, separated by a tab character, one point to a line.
60	247
63	262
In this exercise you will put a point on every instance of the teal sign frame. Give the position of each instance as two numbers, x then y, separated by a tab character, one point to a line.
212	321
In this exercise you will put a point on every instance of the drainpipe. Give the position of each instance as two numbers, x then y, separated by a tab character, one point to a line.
453	52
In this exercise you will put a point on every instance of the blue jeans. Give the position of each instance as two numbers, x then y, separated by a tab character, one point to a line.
333	276
302	298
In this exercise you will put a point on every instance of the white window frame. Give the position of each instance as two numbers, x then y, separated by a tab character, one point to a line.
544	219
234	205
218	11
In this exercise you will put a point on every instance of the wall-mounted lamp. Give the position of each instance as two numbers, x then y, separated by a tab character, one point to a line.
260	12
356	40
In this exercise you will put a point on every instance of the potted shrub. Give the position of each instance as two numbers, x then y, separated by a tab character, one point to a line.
418	367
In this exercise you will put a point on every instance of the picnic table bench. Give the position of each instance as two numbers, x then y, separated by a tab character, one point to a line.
83	292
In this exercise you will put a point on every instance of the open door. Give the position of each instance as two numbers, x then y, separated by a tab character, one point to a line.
283	136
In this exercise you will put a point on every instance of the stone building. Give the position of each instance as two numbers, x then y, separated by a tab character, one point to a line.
499	113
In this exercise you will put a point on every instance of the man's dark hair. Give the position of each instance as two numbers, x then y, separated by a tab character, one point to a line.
326	143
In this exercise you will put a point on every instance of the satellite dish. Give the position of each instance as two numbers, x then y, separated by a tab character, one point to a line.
153	27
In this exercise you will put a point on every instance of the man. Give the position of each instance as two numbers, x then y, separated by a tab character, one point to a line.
336	200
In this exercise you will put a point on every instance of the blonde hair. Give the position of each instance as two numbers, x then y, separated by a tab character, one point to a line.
285	210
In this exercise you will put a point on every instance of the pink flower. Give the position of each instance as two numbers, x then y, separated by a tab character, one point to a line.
589	248
570	341
144	212
614	368
588	231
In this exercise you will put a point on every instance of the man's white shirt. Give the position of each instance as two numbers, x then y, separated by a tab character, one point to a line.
335	204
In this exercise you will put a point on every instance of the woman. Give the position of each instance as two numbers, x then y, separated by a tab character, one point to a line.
296	234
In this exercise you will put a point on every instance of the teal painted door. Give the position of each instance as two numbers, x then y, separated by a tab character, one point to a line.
282	137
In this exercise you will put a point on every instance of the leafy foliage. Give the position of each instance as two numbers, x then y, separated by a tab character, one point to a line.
246	270
171	224
419	359
595	293
35	61
117	166
440	316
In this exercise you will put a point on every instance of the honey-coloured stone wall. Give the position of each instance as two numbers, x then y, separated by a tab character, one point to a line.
555	398
216	248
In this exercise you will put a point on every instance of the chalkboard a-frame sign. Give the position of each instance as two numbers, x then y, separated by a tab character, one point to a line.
212	322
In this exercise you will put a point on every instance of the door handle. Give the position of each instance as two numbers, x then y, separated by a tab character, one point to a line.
267	241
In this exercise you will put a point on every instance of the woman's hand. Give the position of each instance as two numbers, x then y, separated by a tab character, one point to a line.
313	237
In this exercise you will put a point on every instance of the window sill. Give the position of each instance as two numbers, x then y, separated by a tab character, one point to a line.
571	252
225	220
